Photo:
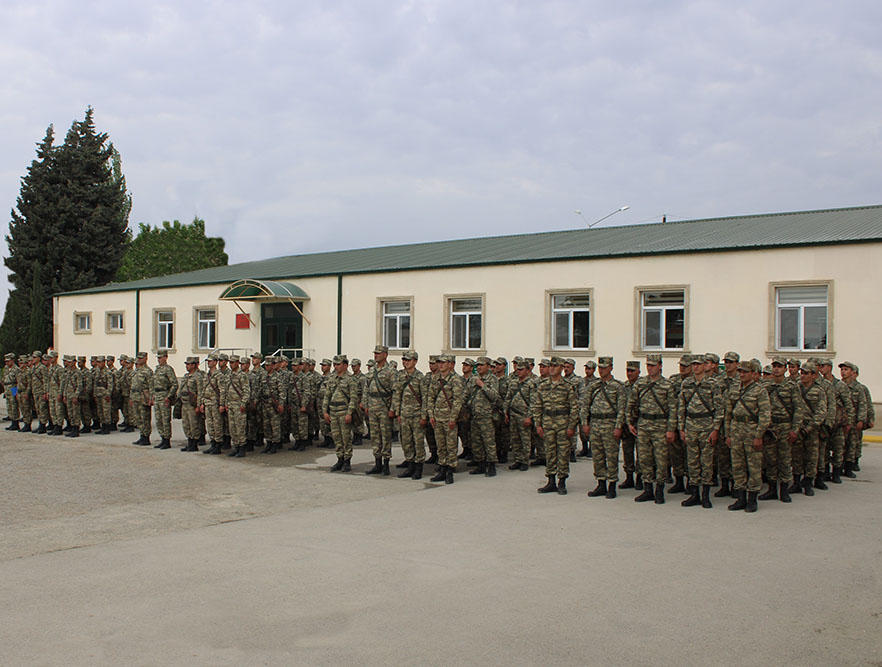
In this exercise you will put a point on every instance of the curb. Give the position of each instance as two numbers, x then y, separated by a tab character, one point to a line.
872	438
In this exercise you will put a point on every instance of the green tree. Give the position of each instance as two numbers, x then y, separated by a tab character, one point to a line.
39	331
171	248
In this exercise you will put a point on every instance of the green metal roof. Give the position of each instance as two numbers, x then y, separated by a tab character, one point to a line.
261	290
750	232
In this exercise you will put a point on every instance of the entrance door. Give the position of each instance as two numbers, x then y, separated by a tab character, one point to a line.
280	326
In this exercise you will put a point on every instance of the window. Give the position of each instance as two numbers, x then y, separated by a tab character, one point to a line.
801	317
663	319
206	328
165	329
570	321
466	323
396	324
115	323
82	322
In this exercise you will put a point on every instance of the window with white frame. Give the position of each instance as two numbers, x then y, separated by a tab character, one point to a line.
206	328
663	319
801	317
466	323
82	322
115	323
571	321
165	329
396	324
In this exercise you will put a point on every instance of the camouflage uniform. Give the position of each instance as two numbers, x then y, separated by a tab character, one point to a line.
102	384
787	415
408	402
748	415
503	431
237	395
324	427
517	404
210	399
10	387
257	382
141	388
189	393
40	392
555	409
629	462
603	411
165	387
652	407
56	405
722	456
379	402
805	449
700	411
341	400
86	395
71	391
301	400
446	395
125	391
677	449
481	406
274	408
24	396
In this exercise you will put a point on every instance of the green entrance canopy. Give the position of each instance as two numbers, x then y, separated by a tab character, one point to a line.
262	290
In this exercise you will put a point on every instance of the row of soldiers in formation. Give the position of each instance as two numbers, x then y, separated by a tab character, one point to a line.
793	425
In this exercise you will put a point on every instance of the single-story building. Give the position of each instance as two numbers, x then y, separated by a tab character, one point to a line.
802	284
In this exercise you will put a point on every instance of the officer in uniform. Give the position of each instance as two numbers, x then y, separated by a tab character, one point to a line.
339	408
140	397
24	396
409	407
503	437
603	417
165	387
555	412
748	415
446	395
40	390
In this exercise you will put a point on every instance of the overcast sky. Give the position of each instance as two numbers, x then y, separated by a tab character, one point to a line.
306	126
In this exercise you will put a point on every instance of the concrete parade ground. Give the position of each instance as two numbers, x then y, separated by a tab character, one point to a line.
117	554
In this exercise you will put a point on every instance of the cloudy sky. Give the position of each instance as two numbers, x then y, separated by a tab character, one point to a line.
315	125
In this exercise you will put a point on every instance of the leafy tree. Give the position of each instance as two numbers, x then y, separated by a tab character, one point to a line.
171	248
40	331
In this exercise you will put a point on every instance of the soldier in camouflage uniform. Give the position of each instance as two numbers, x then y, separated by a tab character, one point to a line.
860	407
870	420
748	415
10	390
257	382
316	380
379	408
86	395
210	404
805	449
446	395
787	416
71	391
275	406
464	420
555	412
140	397
24	396
840	411
56	406
483	392
629	462
603	416
677	449
359	423
652	418
165	387
576	381
700	415
125	390
236	398
516	407
429	431
722	458
584	385
40	391
409	406
189	393
115	393
301	397
102	385
503	436
339	408
324	427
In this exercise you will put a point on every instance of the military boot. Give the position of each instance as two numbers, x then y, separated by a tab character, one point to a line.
638	482
491	470
86	428
705	496
479	468
836	475
13	426
599	490
26	428
386	472
660	494
378	466
417	471
783	493
849	470
819	484
42	429
723	491
856	466
740	503
678	485
693	498
347	465
611	490
572	456
807	486
647	495
441	475
234	451
771	493
584	450
164	444
226	443
433	459
796	486
466	454
562	486
73	433
338	465
751	502
448	479
408	472
104	430
213	449
404	464
240	452
629	481
550	487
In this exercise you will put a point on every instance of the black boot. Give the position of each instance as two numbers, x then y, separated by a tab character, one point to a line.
42	429
213	449
104	430
599	490
660	494
73	433
479	468
611	490
836	476
796	486
856	466
338	465
240	452
433	459
466	454
26	428
550	487
562	486
705	496
807	486
572	456
638	482
751	502
417	471
491	470
849	470
226	442
378	466
266	450
164	444
141	441
741	503
723	491
783	493
771	493
589	452
85	429
58	430
408	472
678	485
329	442
693	499
647	495
13	426
347	465
404	464
386	472
819	483
629	481
234	451
441	475
448	478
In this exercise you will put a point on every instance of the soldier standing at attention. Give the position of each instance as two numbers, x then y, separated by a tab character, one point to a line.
632	372
257	382
503	438
722	458
210	405
409	406
324	427
700	415
652	415
677	449
860	409
25	399
40	391
748	415
115	395
516	407
165	388
238	395
142	386
428	378
576	381
840	411
586	384
464	425
555	412
102	385
86	395
484	392
379	406
56	406
446	395
71	391
787	415
358	421
806	453
189	393
10	390
869	422
277	405
125	390
338	410
603	416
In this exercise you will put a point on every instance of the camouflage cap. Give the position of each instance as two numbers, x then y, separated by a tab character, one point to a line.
213	357
52	354
794	362
824	362
380	349
99	358
780	361
341	359
68	357
767	370
37	353
433	358
745	366
545	361
501	361
81	357
162	352
521	364
697	359
23	358
484	360
712	357
686	359
757	365
141	355
223	356
326	362
732	356
94	357
515	359
123	357
604	362
591	364
809	367
355	361
109	357
448	358
468	361
234	358
9	356
556	361
256	355
570	361
530	360
192	360
410	355
849	364
653	359
632	365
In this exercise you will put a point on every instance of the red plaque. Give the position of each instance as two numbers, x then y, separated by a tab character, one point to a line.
243	321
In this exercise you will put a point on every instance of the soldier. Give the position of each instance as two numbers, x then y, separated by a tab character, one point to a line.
10	390
446	394
576	381
102	385
516	407
787	416
210	404
23	395
503	437
861	408
71	391
56	405
722	458
805	449
324	427
555	412
379	406
748	415
871	417
677	449
359	423
586	384
409	406
700	415
301	398
840	411
338	410
125	389
603	416
257	382
236	400
464	425
40	391
429	431
165	387
276	405
632	372
483	393
537	443
115	394
652	417
140	399
793	366
86	412
189	393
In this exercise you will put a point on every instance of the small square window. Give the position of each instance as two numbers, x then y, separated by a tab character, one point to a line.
82	322
396	324
663	319
115	323
801	318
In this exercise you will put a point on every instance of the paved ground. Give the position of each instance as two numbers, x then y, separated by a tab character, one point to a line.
113	553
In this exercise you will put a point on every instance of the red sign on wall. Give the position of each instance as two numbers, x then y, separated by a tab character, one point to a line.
243	321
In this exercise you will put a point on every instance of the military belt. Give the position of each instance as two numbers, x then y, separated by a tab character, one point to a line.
515	411
653	418
780	420
698	415
744	420
556	413
381	394
338	404
603	415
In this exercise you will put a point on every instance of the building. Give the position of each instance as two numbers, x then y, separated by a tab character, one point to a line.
802	284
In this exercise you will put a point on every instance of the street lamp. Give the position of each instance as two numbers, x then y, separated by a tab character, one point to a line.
608	215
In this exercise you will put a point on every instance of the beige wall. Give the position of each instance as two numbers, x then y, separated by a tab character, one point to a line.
728	306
